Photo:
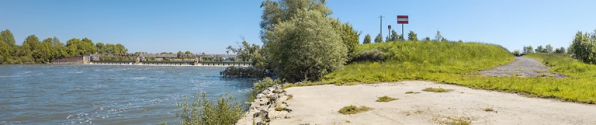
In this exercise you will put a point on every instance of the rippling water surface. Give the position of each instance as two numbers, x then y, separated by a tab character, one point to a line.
96	94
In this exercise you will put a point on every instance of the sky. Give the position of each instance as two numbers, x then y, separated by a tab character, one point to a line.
211	25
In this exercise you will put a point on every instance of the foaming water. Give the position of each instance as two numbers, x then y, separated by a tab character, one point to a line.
106	94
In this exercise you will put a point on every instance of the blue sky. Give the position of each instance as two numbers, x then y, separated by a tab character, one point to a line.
211	25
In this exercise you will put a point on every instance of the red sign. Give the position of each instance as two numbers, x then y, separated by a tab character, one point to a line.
389	26
402	19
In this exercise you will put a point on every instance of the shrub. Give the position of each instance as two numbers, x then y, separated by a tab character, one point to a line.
280	108
353	109
202	111
369	55
385	99
488	109
412	92
431	89
259	86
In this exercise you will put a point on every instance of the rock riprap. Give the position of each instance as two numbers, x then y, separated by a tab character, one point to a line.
269	104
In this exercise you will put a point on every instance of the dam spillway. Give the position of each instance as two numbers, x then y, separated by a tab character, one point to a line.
156	59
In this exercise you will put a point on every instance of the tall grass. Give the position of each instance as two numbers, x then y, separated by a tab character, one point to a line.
564	64
202	111
459	63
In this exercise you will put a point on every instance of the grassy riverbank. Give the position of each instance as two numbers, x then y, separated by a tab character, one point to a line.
459	63
421	61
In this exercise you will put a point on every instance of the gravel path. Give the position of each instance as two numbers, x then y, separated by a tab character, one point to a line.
523	67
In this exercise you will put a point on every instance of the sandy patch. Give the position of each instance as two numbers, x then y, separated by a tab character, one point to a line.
320	104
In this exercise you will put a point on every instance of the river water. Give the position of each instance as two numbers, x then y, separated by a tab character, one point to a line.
100	94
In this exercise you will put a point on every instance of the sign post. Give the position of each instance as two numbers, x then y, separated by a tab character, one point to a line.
389	30
402	19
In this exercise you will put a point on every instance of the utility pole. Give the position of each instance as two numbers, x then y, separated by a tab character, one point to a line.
381	26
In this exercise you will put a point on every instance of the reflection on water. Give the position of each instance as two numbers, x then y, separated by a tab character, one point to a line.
95	94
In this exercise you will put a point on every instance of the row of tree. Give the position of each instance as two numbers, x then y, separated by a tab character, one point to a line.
35	51
583	47
547	49
396	37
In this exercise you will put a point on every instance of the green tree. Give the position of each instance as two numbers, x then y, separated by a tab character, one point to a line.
305	47
412	36
562	49
47	40
32	41
367	39
245	51
394	36
45	52
7	37
4	52
401	38
583	48
56	42
427	39
77	47
275	12
539	49
121	49
348	35
379	39
60	47
111	49
87	46
388	38
530	49
29	49
549	48
101	48
516	52
188	52
557	50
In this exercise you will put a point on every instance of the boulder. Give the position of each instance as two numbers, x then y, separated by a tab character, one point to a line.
273	98
278	90
261	96
265	92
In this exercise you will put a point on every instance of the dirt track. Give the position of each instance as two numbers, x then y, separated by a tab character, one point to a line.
524	67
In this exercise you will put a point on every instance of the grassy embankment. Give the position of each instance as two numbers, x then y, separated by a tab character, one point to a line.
459	63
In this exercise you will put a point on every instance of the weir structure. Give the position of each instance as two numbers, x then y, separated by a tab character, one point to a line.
156	59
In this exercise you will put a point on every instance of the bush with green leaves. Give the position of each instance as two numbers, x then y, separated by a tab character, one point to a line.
369	55
202	111
583	47
305	47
